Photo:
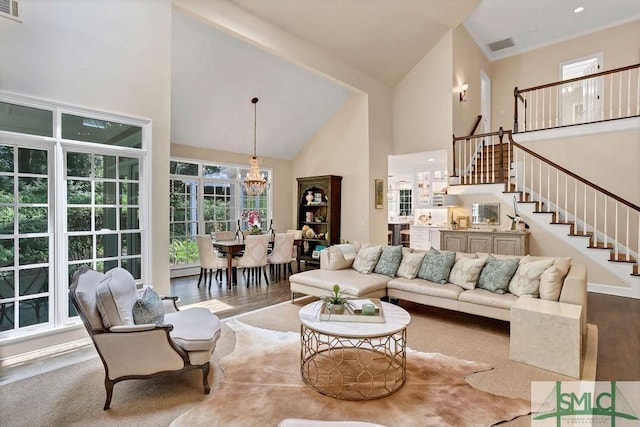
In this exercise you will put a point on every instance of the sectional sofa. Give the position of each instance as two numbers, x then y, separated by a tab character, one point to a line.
481	284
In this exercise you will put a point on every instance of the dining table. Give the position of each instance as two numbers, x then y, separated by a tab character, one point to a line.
232	247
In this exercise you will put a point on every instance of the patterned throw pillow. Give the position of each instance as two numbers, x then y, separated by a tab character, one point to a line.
436	266
389	261
410	265
465	272
367	258
526	281
148	309
497	273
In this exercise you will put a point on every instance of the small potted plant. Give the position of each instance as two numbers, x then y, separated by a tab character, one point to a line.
335	301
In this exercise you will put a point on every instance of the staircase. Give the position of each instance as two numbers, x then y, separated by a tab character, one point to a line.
598	224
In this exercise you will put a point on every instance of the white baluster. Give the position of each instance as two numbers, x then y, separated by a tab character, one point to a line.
606	238
584	214
629	94
619	95
626	240
615	233
610	96
595	217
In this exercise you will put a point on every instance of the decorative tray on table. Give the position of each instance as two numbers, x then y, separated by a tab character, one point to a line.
353	312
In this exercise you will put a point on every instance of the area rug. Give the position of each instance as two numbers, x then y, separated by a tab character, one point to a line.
262	386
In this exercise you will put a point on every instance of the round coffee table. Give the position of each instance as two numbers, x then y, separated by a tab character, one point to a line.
354	360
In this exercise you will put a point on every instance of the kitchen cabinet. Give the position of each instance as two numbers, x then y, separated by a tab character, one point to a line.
496	242
423	237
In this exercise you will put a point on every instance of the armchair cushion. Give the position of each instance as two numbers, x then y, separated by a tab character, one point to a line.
116	295
148	309
194	329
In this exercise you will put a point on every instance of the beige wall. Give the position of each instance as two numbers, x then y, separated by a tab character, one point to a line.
282	196
620	45
375	139
468	61
422	103
340	148
75	52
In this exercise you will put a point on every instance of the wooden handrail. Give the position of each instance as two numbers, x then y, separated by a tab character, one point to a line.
571	174
475	126
473	130
577	79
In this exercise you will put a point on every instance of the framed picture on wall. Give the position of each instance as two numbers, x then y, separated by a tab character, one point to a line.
379	193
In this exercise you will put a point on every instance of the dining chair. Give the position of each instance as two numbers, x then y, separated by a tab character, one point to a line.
223	235
210	260
254	260
281	254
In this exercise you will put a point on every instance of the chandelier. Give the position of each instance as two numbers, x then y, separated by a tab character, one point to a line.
254	183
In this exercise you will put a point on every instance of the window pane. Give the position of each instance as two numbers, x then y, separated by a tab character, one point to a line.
220	171
7	279
103	266
131	244
33	311
6	158
129	169
33	190
133	266
79	219
79	164
101	131
7	322
129	193
105	166
6	254
32	161
78	192
80	247
183	168
6	220
105	193
33	220
107	245
34	281
29	120
106	219
6	189
129	219
34	250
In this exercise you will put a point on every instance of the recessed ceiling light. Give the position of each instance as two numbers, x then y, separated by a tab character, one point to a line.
578	9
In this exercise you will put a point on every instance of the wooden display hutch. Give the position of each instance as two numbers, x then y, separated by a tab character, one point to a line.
319	210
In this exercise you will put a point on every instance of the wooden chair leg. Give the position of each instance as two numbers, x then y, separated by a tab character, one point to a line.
200	278
205	378
210	277
108	385
264	271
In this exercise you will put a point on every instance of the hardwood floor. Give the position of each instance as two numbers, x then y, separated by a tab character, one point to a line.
617	318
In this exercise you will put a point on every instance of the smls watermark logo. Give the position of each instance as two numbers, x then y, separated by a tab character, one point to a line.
585	403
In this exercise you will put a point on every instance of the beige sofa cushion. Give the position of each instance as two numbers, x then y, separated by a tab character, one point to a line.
333	258
116	295
425	287
410	265
351	282
488	298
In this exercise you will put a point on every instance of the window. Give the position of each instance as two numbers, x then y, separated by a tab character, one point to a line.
206	198
64	202
406	207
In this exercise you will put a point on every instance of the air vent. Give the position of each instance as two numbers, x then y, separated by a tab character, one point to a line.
501	44
10	9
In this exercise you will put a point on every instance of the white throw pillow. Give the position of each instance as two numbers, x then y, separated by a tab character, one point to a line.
526	281
552	279
116	294
410	265
336	259
465	272
367	258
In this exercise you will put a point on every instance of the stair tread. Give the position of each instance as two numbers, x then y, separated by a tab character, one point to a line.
622	258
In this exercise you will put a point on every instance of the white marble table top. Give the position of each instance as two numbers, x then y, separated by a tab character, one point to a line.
396	319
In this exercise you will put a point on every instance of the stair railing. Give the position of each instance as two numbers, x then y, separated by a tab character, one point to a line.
604	96
471	166
611	221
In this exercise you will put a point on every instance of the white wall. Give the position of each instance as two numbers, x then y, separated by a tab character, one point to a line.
106	55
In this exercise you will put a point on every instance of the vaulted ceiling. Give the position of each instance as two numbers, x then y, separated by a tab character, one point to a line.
214	75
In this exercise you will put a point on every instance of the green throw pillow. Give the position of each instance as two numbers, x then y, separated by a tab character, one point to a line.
497	273
436	266
148	309
389	261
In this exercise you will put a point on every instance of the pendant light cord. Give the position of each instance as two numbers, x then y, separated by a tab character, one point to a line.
255	123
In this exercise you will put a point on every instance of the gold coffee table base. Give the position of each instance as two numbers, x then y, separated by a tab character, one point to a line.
353	368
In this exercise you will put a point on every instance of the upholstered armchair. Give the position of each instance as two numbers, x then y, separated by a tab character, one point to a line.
141	336
281	254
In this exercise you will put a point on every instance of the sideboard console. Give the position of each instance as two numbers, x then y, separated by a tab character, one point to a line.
497	242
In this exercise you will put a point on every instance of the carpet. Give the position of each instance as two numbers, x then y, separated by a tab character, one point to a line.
262	385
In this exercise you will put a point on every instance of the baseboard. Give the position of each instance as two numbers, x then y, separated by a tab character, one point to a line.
613	290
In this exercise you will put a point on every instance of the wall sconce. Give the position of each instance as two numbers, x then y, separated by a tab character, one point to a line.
463	92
